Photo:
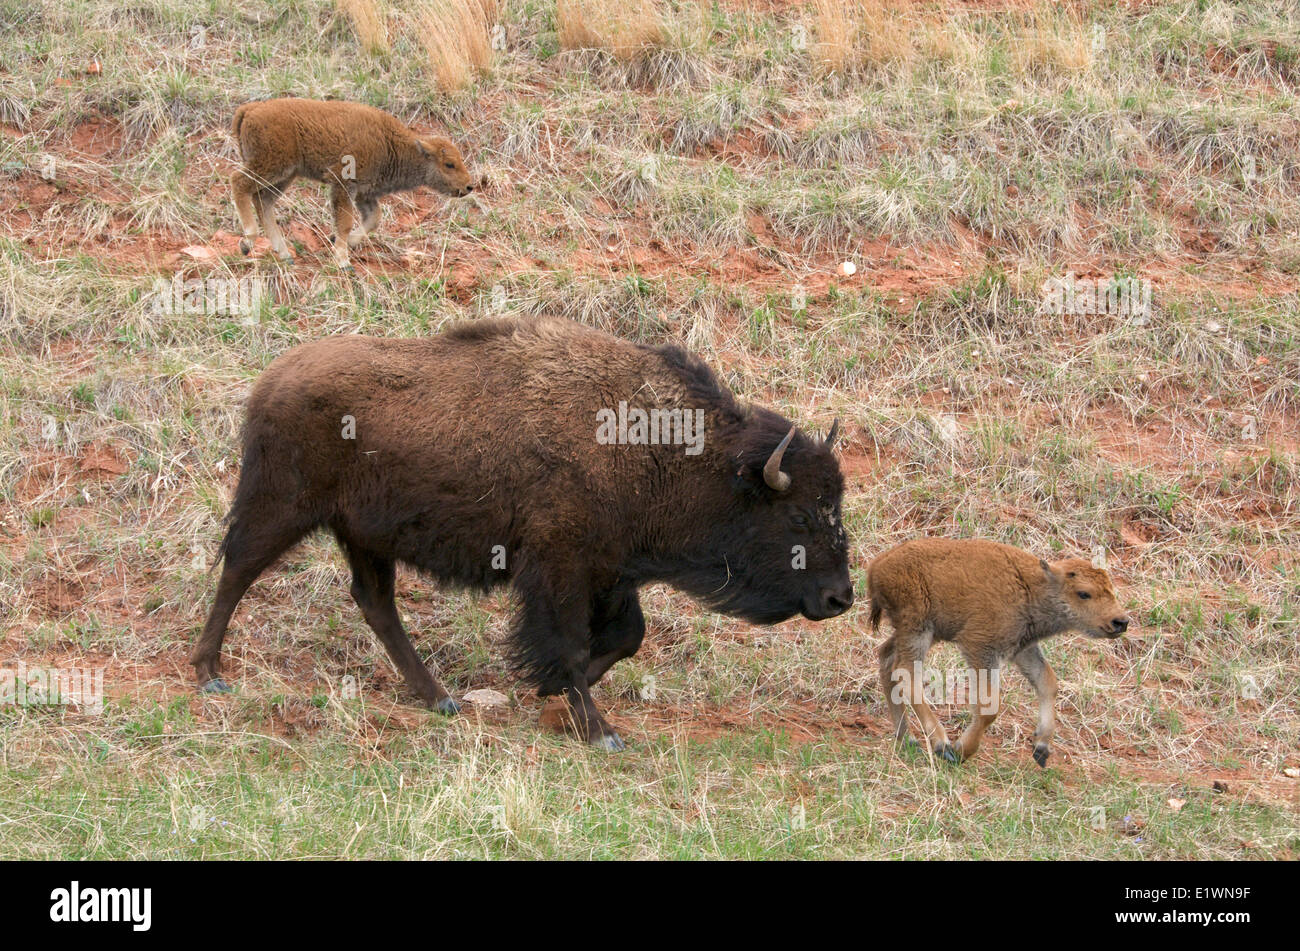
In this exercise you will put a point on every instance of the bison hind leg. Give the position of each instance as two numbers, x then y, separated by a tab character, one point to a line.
257	536
373	589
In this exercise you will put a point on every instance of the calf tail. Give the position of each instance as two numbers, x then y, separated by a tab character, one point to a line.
877	609
235	126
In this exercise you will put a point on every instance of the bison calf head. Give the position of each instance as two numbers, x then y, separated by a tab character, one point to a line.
788	553
444	169
1088	597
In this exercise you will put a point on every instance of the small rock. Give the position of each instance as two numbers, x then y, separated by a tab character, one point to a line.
848	269
486	697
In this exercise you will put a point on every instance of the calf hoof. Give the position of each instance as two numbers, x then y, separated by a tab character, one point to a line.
245	246
447	706
215	685
1041	752
611	742
948	753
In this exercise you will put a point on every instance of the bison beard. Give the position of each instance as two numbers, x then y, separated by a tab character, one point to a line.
480	445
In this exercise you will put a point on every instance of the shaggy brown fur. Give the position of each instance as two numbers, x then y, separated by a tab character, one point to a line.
361	152
475	457
995	603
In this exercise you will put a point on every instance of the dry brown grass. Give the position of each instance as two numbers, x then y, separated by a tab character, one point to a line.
1046	37
625	29
860	33
369	21
456	37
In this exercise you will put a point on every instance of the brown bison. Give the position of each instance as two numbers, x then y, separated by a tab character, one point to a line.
541	453
363	153
995	603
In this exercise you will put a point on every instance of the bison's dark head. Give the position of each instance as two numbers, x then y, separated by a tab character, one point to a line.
780	549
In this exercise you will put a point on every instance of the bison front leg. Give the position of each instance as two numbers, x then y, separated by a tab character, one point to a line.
617	628
1034	666
553	649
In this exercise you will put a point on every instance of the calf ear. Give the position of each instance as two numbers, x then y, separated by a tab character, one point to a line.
1047	571
422	148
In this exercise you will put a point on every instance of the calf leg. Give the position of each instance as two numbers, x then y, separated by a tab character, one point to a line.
911	644
373	588
264	200
617	628
368	210
244	187
897	712
345	217
1034	666
983	709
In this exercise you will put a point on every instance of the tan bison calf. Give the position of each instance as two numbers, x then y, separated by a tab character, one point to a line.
363	153
995	603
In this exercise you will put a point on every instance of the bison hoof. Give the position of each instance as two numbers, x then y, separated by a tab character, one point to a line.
215	685
245	246
947	753
1041	752
447	706
610	742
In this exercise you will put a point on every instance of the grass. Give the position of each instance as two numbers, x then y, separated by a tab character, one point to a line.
370	22
699	174
456	37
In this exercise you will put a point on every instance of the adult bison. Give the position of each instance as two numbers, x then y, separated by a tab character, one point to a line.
541	453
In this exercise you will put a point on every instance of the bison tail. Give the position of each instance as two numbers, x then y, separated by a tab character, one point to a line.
236	520
877	609
259	515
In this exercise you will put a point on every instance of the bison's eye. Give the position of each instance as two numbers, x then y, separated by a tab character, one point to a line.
799	520
1083	595
451	165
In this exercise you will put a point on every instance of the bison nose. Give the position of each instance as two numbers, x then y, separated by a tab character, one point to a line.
1120	625
836	600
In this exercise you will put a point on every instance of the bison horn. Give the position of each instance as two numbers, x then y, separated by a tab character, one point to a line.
835	431
772	473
